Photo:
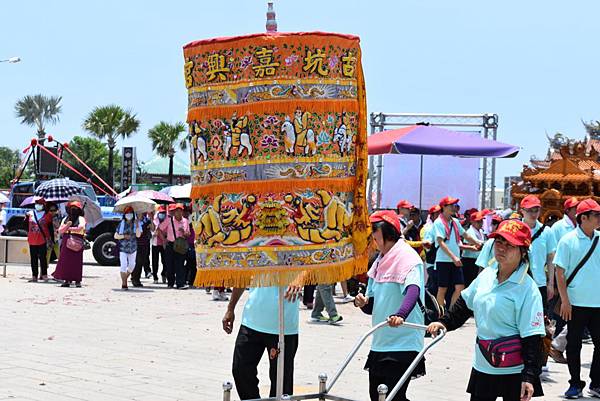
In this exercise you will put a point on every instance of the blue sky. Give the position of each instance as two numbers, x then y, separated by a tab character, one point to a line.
534	63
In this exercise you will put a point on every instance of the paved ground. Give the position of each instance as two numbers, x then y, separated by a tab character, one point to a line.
100	343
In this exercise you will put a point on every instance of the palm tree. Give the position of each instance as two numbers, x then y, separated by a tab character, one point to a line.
111	122
164	137
37	110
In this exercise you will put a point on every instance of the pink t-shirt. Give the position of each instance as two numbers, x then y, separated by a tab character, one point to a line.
167	227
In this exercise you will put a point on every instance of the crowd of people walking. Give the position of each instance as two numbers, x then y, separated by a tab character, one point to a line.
529	288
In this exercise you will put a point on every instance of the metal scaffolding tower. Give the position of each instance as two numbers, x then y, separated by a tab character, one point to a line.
487	124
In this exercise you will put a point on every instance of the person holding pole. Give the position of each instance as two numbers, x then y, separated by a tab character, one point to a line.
509	316
396	284
259	331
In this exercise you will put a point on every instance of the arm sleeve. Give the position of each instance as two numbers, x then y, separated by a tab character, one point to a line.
530	313
368	308
457	315
550	241
561	256
532	358
411	295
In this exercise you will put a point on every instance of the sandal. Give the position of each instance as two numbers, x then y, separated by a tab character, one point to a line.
66	284
124	287
78	285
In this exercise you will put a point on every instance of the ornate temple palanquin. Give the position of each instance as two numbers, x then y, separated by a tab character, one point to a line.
571	170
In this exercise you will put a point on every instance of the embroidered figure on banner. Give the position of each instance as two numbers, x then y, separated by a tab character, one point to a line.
297	135
198	137
343	136
237	135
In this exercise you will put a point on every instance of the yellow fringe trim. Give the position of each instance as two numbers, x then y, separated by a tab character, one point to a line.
272	106
270	186
361	228
281	275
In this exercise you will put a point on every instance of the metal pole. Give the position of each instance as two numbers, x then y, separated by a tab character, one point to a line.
421	187
322	385
371	170
484	173
382	389
380	163
493	183
227	386
280	346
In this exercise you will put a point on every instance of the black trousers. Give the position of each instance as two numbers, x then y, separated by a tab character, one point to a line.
190	266
390	379
158	251
308	295
142	261
470	270
175	264
250	346
580	318
37	255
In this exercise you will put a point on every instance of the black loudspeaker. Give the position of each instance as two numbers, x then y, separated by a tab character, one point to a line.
47	165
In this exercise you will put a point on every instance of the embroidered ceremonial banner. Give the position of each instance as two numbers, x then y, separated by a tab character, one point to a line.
279	158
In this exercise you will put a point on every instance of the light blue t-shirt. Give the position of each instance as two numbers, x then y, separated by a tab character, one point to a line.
439	231
501	310
388	299
428	236
478	235
261	312
583	290
562	227
486	255
539	250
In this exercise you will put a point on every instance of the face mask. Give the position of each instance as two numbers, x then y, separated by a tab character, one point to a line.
129	216
161	216
39	207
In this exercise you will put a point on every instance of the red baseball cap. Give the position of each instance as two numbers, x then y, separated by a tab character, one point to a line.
497	218
435	209
514	231
571	202
448	200
477	216
175	206
587	205
485	212
389	216
404	204
162	209
40	201
530	201
128	209
76	204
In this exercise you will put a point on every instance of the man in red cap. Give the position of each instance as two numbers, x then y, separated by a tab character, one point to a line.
568	223
471	252
403	208
38	237
430	250
175	228
541	251
158	250
578	274
447	233
486	254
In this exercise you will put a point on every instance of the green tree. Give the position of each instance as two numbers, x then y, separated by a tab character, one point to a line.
95	154
109	123
164	138
10	159
38	110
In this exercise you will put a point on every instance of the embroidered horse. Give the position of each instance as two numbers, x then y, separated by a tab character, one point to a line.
198	141
241	140
343	137
290	136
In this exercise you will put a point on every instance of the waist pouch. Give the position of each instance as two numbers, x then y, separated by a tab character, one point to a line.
504	352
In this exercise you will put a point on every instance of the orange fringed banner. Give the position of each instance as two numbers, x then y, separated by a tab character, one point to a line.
279	158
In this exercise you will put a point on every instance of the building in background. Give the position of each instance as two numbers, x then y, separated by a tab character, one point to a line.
156	171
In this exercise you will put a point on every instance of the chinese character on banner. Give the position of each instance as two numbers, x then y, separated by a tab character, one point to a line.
216	67
348	64
267	65
188	69
314	62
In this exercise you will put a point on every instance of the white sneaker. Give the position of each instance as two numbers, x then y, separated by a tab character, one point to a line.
219	296
348	298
